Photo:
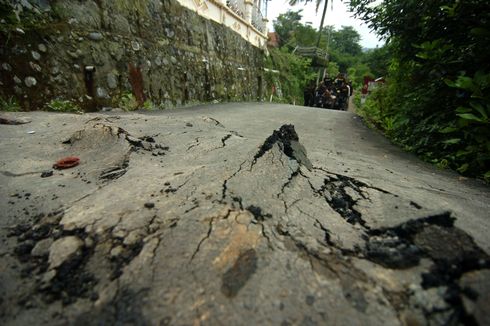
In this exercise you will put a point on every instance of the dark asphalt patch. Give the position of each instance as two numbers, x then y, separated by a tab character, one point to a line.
238	275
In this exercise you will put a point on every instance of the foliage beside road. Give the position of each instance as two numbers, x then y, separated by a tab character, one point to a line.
436	102
287	76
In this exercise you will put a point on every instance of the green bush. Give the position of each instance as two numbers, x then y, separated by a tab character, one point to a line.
127	102
294	74
10	104
151	106
59	105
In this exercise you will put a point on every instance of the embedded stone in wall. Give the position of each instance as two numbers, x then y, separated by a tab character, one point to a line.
112	80
30	81
96	36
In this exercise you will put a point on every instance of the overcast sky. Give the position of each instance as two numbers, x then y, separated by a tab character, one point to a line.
338	17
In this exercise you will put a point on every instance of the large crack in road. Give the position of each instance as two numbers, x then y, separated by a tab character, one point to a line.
171	234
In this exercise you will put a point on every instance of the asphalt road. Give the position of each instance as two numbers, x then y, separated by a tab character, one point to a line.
234	214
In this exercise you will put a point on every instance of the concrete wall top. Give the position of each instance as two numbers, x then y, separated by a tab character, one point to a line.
217	11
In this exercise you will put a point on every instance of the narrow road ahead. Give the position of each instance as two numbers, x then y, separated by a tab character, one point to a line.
234	214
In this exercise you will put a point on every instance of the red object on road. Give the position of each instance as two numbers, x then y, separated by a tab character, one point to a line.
66	162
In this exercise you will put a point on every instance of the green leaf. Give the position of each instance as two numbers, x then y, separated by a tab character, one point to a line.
463	168
464	83
462	153
486	176
470	116
448	130
442	164
462	109
452	141
480	109
450	83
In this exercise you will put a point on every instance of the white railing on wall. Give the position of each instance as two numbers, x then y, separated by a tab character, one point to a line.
242	16
237	6
258	20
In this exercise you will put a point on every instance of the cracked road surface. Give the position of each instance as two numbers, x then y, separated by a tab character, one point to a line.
236	214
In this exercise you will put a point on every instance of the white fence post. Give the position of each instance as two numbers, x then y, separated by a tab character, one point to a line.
248	10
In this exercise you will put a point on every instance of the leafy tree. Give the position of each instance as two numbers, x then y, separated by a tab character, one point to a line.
346	41
304	35
378	60
342	45
318	3
286	24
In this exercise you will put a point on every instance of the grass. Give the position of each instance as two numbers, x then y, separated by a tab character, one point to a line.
59	105
9	105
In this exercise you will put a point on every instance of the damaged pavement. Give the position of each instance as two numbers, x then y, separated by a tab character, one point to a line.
234	214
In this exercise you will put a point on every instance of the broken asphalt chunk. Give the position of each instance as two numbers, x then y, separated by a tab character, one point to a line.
47	174
149	205
288	141
63	249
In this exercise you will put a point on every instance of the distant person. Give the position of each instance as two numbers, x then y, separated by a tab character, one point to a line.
309	94
320	90
327	81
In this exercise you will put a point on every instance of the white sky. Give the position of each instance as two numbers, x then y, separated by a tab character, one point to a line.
338	17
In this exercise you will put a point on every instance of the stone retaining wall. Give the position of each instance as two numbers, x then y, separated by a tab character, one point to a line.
96	52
